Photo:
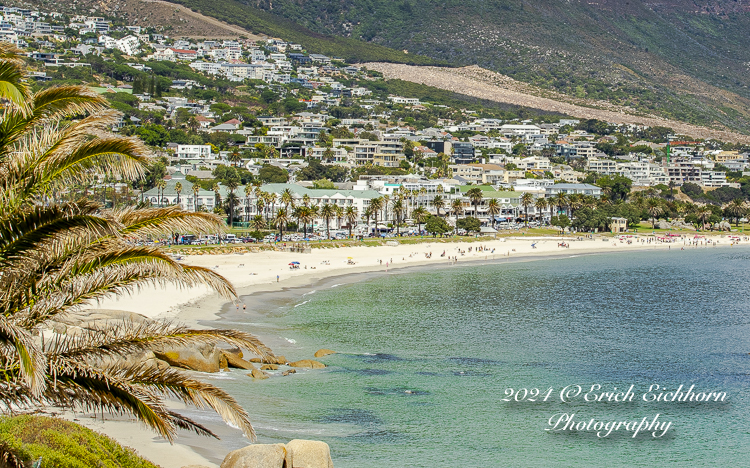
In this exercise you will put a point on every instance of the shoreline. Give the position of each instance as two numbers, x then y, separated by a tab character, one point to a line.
258	289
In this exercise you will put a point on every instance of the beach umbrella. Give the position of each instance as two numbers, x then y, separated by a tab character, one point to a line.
350	258
291	263
295	263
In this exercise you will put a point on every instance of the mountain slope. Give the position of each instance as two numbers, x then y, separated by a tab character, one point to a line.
682	59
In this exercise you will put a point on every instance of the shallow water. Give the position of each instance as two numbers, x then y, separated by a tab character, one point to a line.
427	355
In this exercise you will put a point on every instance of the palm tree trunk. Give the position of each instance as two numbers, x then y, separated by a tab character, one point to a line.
328	228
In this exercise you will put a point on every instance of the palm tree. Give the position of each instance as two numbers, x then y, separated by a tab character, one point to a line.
575	202
540	204
654	208
493	209
60	255
178	189
476	196
260	204
367	213
561	201
234	157
327	212
232	199
161	184
339	212
736	209
281	219
258	223
399	209
376	204
248	191
386	199
351	217
438	202
703	214
287	198
419	214
527	199
270	201
196	189
217	195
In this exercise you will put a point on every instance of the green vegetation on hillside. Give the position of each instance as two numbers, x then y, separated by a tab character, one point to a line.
64	444
261	22
652	58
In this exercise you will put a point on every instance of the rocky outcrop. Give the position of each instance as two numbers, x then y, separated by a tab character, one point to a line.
199	357
722	226
308	364
323	352
308	454
258	374
675	224
269	367
257	456
235	360
280	360
295	454
288	372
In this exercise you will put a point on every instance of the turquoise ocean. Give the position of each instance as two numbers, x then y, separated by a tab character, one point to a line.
426	357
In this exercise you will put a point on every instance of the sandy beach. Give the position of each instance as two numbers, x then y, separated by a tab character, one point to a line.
270	271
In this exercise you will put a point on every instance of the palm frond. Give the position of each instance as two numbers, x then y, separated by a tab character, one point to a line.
31	361
61	102
141	222
13	85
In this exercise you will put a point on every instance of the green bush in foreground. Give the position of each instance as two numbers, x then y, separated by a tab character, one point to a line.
63	444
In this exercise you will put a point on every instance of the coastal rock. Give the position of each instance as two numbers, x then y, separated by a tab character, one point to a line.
198	357
257	456
280	360
308	363
308	454
258	374
323	352
269	367
292	371
223	364
233	360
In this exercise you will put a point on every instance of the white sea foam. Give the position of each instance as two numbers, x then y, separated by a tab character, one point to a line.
336	286
290	340
301	303
311	292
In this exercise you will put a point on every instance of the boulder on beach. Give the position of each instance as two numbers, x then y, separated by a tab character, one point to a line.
258	374
203	357
269	367
236	361
257	456
308	363
280	360
307	454
323	352
292	371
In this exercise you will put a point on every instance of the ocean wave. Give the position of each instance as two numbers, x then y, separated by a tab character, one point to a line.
290	340
336	285
311	292
301	303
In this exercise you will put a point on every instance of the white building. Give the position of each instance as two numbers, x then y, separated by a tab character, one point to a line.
194	152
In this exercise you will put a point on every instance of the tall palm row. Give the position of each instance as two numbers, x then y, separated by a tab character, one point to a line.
57	256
